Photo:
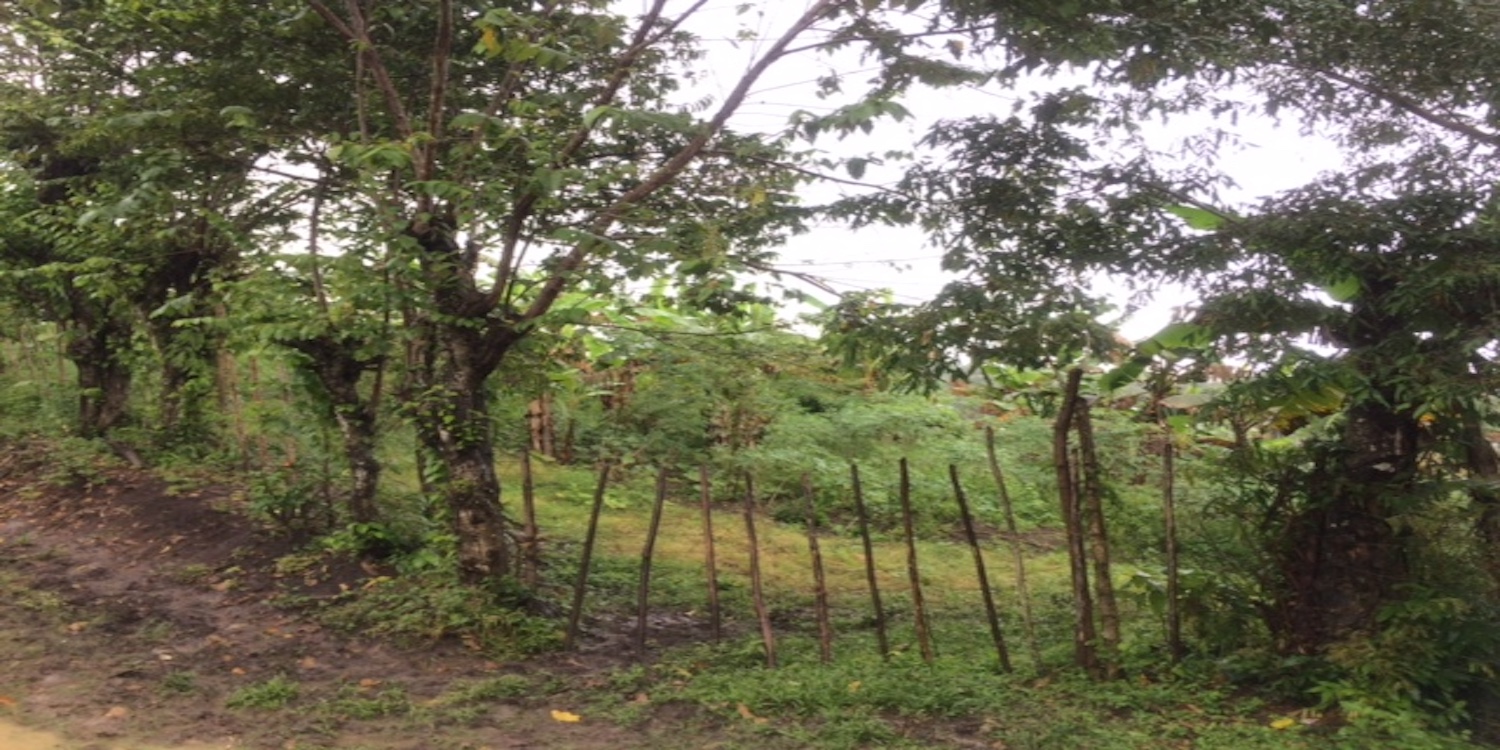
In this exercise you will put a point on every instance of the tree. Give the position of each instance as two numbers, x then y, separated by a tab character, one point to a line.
477	139
130	192
1388	261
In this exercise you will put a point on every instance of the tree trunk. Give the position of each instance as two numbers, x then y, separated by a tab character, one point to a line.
1084	635
1340	558
472	490
1091	496
542	424
466	345
97	348
338	368
1484	494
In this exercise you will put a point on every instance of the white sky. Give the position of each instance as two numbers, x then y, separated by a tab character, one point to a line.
1275	157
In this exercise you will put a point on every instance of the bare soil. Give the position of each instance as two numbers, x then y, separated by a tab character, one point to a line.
130	612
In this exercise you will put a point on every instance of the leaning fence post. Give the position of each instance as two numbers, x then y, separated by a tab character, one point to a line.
1022	589
531	536
643	594
984	577
820	584
576	616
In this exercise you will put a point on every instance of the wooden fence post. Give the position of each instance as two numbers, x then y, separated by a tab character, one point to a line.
576	615
643	593
984	577
882	641
757	593
913	573
705	497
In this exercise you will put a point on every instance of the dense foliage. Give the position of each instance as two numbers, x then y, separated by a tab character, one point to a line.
351	250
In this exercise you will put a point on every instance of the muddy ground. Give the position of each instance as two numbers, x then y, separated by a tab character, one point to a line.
132	611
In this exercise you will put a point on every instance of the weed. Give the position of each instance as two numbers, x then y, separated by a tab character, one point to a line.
270	695
180	683
78	463
356	702
156	631
194	573
431	607
297	563
499	688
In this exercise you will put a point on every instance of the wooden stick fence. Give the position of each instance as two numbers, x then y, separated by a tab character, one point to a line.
1069	472
913	572
575	616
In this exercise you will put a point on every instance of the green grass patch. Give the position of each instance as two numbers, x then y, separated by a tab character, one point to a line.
270	695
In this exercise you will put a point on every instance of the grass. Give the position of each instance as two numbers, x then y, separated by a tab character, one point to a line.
179	683
270	695
948	575
860	700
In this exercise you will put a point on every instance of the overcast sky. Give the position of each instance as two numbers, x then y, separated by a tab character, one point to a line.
1274	157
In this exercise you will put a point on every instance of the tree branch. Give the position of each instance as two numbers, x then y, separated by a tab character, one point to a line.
357	32
816	175
442	58
606	219
624	66
1410	105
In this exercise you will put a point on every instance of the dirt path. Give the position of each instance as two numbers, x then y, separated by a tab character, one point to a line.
132	616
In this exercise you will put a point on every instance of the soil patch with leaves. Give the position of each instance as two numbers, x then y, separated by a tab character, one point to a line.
132	613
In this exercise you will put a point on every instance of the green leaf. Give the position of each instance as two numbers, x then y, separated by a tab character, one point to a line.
473	120
1125	373
1187	400
1344	290
1176	336
592	117
1198	218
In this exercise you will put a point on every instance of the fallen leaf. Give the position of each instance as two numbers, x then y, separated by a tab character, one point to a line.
854	687
641	698
7	701
237	671
1283	723
77	627
749	715
369	683
117	712
566	717
308	662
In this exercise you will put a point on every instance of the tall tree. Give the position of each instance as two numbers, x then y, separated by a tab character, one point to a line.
1388	260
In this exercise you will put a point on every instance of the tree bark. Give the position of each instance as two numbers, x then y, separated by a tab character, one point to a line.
465	346
1091	495
1340	557
1484	494
338	368
97	347
1084	635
